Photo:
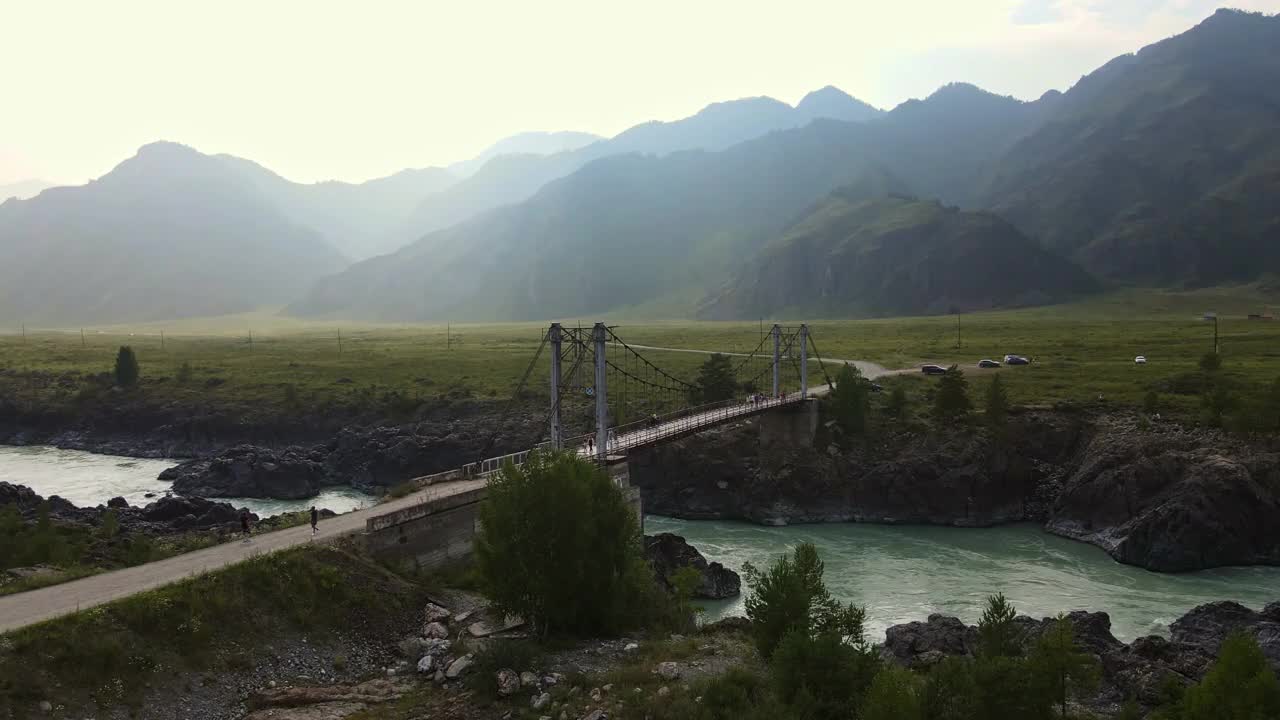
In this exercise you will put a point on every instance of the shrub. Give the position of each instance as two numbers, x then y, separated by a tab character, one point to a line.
518	655
1239	686
895	694
823	676
1151	403
951	690
1218	402
952	402
110	524
560	547
184	373
896	406
126	371
1211	362
791	597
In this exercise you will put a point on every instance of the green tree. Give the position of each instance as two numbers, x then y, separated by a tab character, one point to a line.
791	597
1060	667
1005	688
998	636
896	406
1151	403
952	399
997	410
951	691
126	371
560	547
110	524
1239	686
823	676
716	380
850	400
1218	402
1211	362
895	694
184	373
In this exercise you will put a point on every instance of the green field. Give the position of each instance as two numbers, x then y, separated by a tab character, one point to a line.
1081	351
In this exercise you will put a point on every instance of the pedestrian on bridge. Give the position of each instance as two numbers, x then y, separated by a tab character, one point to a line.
591	446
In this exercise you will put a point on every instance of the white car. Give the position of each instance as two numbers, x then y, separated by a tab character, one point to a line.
1140	360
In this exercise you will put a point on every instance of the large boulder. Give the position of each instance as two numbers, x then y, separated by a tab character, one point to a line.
249	471
915	644
668	553
1173	500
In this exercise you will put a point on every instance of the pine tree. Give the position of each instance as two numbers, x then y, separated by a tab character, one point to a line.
126	371
997	409
997	635
850	400
952	400
716	380
1060	667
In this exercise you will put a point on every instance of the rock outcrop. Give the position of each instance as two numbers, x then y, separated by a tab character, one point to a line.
667	553
1139	670
1164	497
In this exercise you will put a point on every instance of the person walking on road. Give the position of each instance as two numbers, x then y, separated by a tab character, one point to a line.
244	523
315	520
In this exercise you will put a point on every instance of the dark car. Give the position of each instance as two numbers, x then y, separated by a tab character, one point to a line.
874	387
1016	360
933	370
988	364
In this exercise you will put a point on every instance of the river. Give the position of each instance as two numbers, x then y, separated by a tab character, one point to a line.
900	573
903	573
89	479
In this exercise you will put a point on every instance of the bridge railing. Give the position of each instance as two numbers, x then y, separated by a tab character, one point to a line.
643	432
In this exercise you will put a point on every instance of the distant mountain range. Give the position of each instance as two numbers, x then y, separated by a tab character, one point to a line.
1161	168
23	189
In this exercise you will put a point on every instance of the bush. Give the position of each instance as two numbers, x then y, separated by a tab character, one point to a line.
791	597
1218	402
1239	686
1211	362
518	655
951	691
952	399
1151	403
896	406
560	547
184	373
823	676
126	371
895	694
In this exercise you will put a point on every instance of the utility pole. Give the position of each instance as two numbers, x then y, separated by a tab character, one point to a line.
162	341
24	333
448	336
250	339
957	330
599	335
556	336
339	341
1215	333
82	338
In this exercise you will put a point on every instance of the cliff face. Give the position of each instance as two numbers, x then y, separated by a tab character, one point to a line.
1165	498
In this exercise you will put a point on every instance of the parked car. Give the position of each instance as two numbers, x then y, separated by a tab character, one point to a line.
874	387
933	370
1140	360
988	364
1016	360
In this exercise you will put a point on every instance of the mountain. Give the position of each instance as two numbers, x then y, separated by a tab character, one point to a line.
359	219
1160	167
526	143
514	178
855	255
167	233
835	104
624	230
23	189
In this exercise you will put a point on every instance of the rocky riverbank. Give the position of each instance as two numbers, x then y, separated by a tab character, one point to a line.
1163	497
1141	670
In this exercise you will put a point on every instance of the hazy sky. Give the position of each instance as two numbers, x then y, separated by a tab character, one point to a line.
353	90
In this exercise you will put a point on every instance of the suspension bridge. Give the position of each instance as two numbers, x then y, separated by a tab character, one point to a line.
629	402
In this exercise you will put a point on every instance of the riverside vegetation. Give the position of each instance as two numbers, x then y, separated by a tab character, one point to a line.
798	655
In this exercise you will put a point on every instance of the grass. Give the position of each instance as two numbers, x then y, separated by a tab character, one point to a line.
1081	351
109	655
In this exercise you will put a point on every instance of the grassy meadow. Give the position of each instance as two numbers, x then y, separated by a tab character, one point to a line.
265	363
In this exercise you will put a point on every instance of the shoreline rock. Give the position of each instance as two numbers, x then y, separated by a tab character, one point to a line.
667	553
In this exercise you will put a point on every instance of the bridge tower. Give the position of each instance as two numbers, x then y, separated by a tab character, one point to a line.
599	337
804	361
556	336
777	357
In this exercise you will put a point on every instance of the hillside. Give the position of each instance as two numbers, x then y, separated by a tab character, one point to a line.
853	256
167	233
1160	167
23	189
514	178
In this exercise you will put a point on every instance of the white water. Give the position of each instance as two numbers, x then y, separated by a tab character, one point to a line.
89	479
904	573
